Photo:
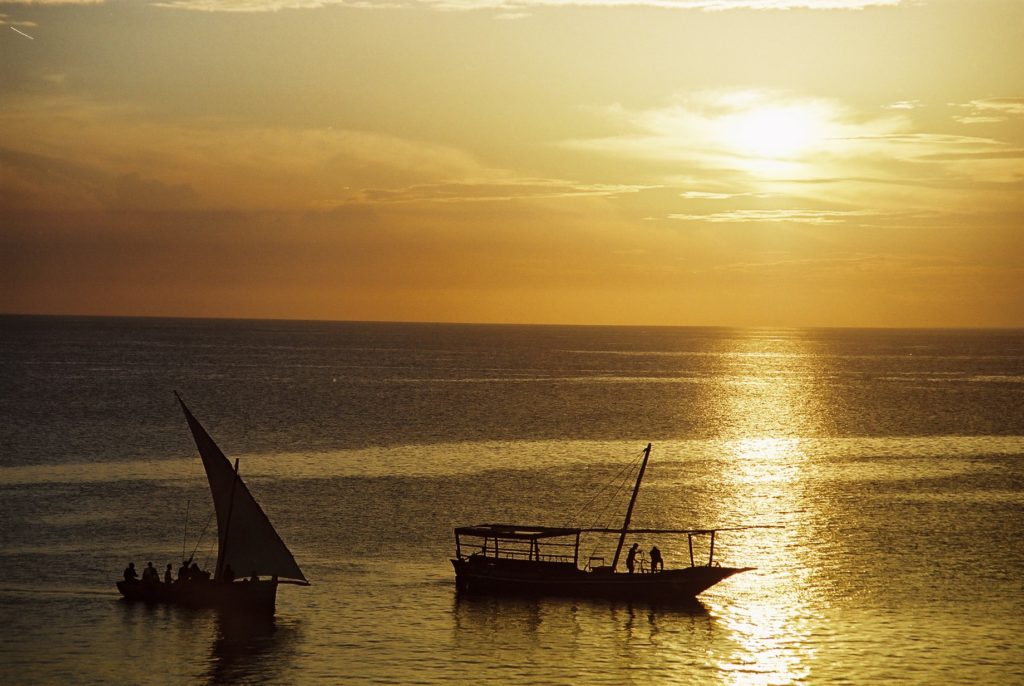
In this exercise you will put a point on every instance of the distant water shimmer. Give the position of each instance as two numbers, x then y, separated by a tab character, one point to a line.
891	463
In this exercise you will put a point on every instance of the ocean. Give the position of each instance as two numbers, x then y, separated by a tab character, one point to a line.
884	469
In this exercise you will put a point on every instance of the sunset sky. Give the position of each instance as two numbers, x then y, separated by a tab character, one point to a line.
692	162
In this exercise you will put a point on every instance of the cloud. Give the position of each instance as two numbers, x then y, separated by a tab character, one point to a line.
990	110
78	151
492	190
518	8
904	105
72	154
888	266
744	129
31	181
724	128
53	2
5	20
796	216
708	195
133	192
983	155
758	143
835	266
35	181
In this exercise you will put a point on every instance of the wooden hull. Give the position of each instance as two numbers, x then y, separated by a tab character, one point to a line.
248	596
518	577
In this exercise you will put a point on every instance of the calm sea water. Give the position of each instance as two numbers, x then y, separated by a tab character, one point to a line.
892	461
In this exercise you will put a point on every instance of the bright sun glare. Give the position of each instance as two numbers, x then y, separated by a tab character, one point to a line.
773	132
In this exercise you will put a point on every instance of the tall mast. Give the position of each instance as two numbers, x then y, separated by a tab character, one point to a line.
222	558
629	510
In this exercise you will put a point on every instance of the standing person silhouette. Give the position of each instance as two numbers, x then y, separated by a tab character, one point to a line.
631	557
656	561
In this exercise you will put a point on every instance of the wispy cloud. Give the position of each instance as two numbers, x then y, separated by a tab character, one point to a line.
90	157
484	190
980	155
53	2
247	166
519	8
5	20
760	133
751	143
990	110
904	105
710	195
796	216
840	266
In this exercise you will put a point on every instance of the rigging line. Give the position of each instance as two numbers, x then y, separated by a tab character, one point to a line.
184	534
624	485
604	513
201	533
625	469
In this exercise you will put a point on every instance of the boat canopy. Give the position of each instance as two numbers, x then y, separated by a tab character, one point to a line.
246	539
517	532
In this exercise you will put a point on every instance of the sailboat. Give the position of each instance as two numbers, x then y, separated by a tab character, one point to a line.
542	560
247	544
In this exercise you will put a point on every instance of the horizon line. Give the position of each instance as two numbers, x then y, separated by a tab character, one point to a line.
424	322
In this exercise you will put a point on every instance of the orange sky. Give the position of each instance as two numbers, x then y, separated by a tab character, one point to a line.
725	162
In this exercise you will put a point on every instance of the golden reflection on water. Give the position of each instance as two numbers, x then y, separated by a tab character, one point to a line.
770	402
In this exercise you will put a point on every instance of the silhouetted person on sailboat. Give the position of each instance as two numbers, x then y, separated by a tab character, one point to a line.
183	571
196	574
656	561
150	575
168	577
129	573
631	557
228	574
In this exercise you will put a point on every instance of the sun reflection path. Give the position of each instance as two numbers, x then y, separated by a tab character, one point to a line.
767	610
770	403
766	460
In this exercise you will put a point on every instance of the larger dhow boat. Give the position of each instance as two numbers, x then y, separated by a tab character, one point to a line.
247	544
541	560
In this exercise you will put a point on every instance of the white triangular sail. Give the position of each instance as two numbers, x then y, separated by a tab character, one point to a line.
246	539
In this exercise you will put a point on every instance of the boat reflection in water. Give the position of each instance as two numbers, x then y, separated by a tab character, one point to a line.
541	560
247	543
250	648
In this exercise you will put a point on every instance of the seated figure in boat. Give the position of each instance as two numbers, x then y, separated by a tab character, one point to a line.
150	575
196	574
168	577
129	573
657	563
183	571
631	557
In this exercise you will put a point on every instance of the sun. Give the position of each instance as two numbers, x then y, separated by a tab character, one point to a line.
773	132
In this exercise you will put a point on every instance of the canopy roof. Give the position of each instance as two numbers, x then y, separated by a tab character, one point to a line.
515	531
533	533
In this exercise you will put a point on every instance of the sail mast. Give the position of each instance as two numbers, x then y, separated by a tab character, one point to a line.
629	510
227	527
184	534
255	545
